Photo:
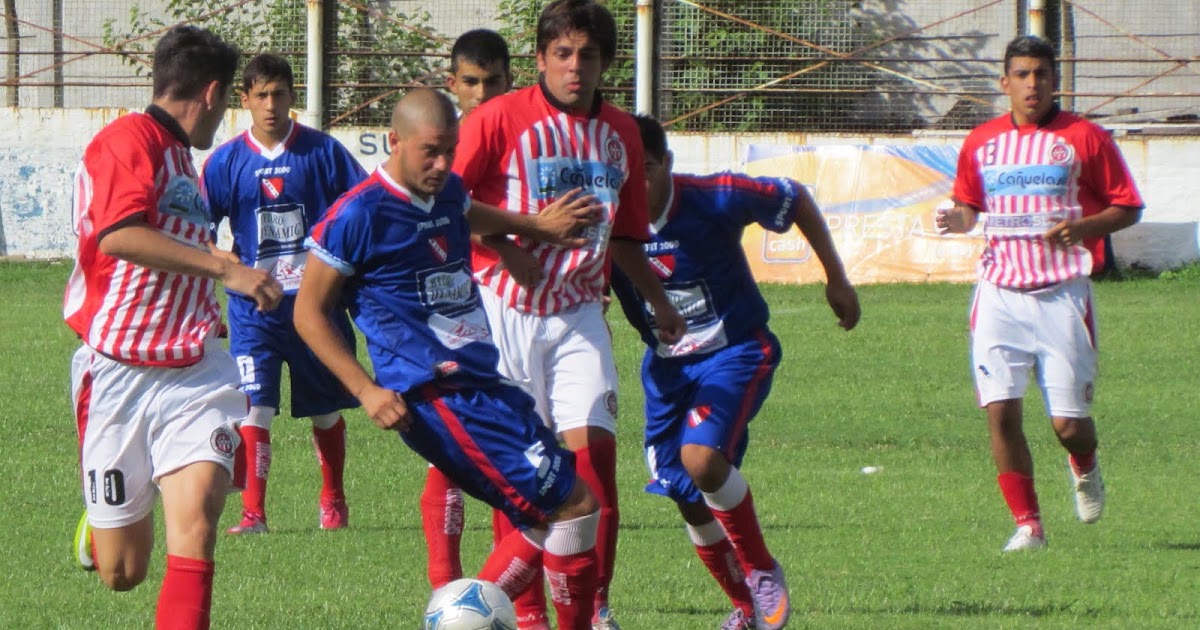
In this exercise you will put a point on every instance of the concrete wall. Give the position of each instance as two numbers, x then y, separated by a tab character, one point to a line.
39	149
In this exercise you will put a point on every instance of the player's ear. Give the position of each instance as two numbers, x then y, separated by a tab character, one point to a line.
393	141
213	94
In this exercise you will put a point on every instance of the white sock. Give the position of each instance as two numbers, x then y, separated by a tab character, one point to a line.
730	494
577	535
707	534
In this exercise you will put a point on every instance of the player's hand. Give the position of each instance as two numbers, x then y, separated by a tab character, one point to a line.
670	325
953	219
1065	233
562	222
843	299
521	265
385	408
255	284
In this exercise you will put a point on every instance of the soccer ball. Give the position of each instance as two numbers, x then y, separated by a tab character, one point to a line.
470	604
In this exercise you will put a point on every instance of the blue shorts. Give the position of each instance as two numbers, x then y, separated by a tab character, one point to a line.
493	444
262	342
708	401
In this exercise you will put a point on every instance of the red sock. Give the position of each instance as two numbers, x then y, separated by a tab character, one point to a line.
258	465
741	525
331	454
1018	492
530	604
1084	463
513	564
185	601
442	520
572	582
723	564
597	466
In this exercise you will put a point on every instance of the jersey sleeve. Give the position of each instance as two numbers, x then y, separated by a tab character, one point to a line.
122	180
771	202
968	186
1108	176
633	220
342	238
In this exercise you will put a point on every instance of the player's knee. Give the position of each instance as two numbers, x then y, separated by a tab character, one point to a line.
581	502
123	575
707	467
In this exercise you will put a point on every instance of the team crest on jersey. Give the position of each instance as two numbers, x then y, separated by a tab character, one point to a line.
610	402
1089	391
1061	153
222	442
446	368
663	265
615	150
272	187
440	248
697	415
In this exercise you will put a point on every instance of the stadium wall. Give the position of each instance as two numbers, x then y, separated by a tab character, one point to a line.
39	149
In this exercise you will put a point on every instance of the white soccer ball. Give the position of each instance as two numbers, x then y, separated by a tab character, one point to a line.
470	604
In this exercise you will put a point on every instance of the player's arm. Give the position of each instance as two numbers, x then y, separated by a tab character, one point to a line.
135	241
630	258
559	223
1099	225
320	291
959	219
840	294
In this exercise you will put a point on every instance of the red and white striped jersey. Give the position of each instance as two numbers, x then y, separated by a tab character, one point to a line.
521	153
131	313
1027	179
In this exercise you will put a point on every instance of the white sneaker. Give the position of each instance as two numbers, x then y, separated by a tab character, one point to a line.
1025	540
1089	493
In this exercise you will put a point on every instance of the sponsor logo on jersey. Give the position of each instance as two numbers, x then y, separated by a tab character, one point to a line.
697	415
664	265
272	187
287	274
441	250
1040	180
222	442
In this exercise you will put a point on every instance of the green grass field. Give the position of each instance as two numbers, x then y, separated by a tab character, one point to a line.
916	545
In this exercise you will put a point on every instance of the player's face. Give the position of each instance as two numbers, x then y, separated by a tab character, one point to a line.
269	103
658	184
1029	84
474	85
571	66
424	158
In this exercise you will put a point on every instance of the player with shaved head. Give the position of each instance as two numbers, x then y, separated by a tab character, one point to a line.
396	250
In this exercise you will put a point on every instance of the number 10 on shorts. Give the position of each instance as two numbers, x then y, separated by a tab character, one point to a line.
114	486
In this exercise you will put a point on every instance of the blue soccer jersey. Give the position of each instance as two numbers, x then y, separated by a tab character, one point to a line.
273	197
696	250
409	286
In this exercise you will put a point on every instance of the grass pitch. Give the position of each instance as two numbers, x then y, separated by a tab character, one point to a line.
915	545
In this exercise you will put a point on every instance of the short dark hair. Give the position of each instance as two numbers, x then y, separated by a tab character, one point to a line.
188	58
1028	46
654	138
481	47
562	16
267	67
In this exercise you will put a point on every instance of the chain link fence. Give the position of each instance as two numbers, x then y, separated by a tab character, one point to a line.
722	65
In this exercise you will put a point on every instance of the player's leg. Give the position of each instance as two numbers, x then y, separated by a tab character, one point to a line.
1067	371
581	383
257	350
1002	356
718	555
319	395
442	517
193	498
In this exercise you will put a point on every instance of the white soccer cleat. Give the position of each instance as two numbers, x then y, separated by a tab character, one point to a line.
1026	540
1089	493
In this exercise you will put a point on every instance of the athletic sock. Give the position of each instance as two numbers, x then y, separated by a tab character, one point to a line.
733	505
571	568
1022	500
331	454
442	520
258	467
596	464
514	563
530	604
1084	463
719	556
185	601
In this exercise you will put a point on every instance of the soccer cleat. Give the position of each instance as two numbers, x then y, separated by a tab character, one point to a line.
335	515
251	524
737	620
1026	540
1089	493
772	606
604	620
83	544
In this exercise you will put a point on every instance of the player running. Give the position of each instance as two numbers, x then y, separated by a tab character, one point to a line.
1053	185
703	391
272	183
396	250
155	395
522	151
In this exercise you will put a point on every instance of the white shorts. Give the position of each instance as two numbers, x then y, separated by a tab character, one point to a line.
563	360
137	424
1051	331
